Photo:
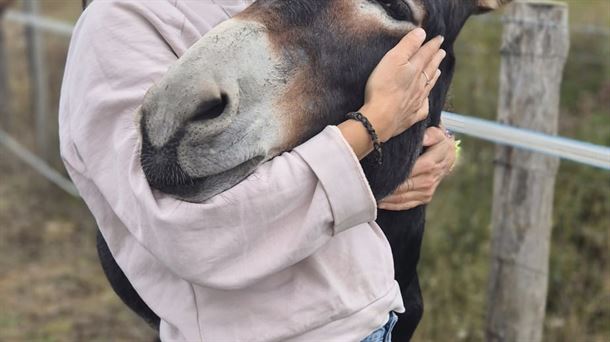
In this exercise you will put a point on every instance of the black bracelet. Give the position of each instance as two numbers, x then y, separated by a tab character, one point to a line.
369	127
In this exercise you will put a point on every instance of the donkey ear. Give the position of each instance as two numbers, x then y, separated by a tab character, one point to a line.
484	6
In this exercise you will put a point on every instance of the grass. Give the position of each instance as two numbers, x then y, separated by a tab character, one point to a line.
52	289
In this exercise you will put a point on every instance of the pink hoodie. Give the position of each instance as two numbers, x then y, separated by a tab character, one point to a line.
292	253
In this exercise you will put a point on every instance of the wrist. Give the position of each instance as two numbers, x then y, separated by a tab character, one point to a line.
357	137
380	123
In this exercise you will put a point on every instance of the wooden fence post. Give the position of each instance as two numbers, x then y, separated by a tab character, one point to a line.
5	107
38	80
535	45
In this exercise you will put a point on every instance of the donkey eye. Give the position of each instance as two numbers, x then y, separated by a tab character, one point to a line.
397	9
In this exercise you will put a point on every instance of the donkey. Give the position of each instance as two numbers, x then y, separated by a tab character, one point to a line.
274	76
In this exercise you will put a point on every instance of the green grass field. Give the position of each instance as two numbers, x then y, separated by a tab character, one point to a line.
52	289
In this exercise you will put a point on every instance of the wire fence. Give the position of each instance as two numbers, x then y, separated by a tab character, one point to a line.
65	29
565	148
41	23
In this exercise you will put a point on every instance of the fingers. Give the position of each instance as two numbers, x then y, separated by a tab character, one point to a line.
419	188
439	153
452	156
433	136
400	206
433	161
407	200
428	171
440	150
424	57
429	75
429	85
410	44
413	196
422	165
423	111
431	68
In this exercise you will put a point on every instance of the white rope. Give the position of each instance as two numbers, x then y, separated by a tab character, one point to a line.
578	151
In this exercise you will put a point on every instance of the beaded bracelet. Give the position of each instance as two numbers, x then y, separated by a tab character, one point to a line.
369	127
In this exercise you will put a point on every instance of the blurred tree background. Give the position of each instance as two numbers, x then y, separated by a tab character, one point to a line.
52	288
455	260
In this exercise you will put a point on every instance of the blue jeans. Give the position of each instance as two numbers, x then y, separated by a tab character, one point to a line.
383	334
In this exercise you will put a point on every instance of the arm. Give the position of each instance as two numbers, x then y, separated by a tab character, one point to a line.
235	238
243	234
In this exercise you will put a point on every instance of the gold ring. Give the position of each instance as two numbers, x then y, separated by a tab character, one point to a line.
428	80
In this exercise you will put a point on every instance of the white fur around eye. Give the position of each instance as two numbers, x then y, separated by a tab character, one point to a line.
417	9
373	9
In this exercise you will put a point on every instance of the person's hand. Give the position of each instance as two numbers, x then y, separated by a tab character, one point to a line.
428	171
396	95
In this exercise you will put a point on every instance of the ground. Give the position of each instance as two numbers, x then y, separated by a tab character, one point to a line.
51	285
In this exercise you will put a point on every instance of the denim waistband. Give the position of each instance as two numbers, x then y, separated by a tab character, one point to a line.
383	334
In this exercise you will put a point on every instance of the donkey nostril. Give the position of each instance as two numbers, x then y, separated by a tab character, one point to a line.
210	109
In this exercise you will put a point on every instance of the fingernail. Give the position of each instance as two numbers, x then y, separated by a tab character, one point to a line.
442	39
443	53
419	32
426	137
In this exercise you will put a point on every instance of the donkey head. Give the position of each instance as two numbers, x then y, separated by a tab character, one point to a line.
274	76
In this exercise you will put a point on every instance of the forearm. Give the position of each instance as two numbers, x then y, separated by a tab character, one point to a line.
357	135
298	201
